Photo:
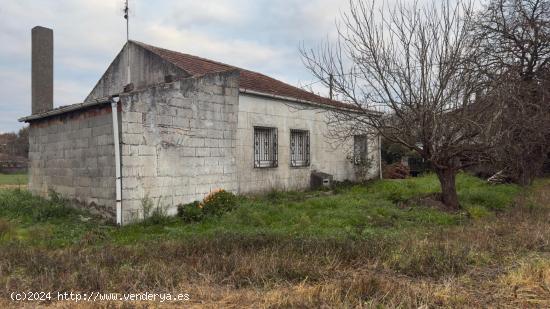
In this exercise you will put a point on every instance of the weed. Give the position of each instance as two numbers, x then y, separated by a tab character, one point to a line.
153	215
432	258
6	229
478	212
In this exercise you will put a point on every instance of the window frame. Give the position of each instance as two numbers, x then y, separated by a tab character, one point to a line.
307	150
271	133
358	156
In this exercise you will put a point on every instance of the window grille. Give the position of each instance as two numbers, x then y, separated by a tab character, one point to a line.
360	149
299	148
265	147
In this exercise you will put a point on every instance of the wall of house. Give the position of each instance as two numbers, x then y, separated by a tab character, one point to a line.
178	142
73	155
326	155
147	69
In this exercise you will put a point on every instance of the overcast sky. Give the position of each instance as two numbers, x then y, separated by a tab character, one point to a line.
260	35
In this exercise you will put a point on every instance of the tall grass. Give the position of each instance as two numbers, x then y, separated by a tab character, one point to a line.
356	248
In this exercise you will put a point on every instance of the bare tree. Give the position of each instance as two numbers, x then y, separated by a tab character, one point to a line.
412	64
514	38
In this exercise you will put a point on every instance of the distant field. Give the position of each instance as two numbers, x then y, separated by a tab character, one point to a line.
13	179
355	246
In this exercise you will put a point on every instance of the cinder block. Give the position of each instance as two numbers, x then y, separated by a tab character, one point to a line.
164	120
217	152
132	139
195	142
211	161
202	152
215	134
188	151
181	122
135	117
130	182
132	127
148	170
147	150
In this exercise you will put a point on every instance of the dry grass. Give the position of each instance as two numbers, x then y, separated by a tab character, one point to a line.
6	228
11	186
501	261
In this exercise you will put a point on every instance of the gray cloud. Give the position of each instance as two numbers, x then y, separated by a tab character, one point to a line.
259	35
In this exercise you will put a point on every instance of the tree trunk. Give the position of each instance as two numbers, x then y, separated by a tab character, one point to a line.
447	179
525	177
531	166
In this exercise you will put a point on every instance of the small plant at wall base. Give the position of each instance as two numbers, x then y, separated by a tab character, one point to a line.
215	203
361	167
152	214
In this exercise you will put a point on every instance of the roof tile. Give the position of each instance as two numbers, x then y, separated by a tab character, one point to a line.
248	80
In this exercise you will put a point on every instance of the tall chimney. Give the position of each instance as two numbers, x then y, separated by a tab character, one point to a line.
42	69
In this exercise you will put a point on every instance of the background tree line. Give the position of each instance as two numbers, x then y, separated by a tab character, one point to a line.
15	144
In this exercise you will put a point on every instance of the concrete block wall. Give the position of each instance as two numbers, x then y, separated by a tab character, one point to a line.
178	142
326	155
73	154
147	69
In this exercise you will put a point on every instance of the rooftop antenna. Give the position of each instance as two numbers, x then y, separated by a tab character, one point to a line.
127	17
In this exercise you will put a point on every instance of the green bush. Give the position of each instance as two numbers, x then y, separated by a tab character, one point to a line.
219	202
190	212
215	204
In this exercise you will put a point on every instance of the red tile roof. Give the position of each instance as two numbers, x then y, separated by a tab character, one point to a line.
248	80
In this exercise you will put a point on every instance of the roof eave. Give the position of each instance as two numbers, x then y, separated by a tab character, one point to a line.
295	100
65	109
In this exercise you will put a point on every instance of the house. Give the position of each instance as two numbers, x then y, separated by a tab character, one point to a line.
171	127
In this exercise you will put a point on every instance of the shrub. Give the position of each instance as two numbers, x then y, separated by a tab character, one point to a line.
396	171
190	212
218	202
214	204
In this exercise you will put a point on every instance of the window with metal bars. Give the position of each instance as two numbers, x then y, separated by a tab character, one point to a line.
265	147
299	148
360	149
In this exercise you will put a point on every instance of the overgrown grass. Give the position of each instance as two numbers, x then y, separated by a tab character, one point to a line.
37	221
355	211
353	247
